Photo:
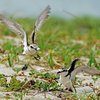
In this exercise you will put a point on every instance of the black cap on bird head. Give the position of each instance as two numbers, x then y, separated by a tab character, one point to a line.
62	70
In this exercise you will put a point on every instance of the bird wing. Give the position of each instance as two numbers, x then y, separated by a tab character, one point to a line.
41	19
85	69
14	27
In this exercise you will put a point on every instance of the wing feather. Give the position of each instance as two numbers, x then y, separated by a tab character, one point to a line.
14	27
41	19
85	69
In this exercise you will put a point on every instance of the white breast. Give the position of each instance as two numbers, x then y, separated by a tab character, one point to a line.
65	81
28	51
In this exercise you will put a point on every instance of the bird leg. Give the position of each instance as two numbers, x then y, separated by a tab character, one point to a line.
37	58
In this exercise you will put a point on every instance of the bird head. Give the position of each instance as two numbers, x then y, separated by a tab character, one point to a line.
33	47
62	71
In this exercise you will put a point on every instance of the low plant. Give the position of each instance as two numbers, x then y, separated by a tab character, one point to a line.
76	78
17	70
95	79
80	82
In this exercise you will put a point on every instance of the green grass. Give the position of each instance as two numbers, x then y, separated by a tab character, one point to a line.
57	34
57	48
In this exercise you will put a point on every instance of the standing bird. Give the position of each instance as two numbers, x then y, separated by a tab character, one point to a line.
68	75
16	28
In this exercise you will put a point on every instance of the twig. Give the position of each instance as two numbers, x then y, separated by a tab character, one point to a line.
37	93
72	15
23	86
56	62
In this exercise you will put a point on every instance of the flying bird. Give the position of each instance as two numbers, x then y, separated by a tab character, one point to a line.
29	49
68	75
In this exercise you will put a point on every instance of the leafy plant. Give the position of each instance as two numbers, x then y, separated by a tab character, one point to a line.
12	53
9	60
17	70
19	96
2	76
74	96
98	67
66	39
95	79
92	59
80	82
76	79
50	61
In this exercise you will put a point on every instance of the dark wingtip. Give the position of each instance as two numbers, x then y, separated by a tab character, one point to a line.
77	59
48	7
73	65
74	62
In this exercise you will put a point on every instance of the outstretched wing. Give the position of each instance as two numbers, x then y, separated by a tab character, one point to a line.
14	27
85	69
41	19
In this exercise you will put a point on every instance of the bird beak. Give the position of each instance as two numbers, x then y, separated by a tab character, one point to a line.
58	72
37	49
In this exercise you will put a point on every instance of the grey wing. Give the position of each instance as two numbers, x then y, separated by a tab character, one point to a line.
85	69
14	27
41	19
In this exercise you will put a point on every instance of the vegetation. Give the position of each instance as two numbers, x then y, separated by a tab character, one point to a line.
60	42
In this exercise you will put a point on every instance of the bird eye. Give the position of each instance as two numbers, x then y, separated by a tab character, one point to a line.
64	70
31	46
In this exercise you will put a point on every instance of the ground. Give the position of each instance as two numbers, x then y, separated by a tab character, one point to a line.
60	42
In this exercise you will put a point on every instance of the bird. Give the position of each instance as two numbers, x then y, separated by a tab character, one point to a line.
67	75
65	78
29	49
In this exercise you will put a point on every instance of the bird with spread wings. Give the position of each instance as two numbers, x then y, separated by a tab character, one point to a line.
16	28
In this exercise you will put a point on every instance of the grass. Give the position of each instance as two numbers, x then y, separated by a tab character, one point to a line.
58	35
60	42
